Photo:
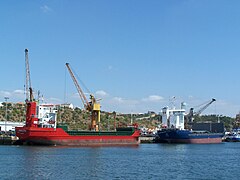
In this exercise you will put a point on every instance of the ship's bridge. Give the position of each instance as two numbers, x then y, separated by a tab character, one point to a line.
173	118
47	115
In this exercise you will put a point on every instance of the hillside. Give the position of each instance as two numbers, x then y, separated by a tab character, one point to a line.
80	119
15	112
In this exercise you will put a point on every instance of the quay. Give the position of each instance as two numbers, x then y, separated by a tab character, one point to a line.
8	140
146	139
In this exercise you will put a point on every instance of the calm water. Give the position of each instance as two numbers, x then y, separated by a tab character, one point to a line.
148	161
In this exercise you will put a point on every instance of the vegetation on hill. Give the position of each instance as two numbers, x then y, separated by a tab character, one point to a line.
80	119
15	112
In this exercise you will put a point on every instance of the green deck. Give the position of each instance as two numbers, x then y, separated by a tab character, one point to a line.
118	132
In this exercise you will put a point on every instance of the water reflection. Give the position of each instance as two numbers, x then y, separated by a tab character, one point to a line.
148	161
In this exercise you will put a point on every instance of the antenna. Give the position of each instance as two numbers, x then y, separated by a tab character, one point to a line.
38	95
172	101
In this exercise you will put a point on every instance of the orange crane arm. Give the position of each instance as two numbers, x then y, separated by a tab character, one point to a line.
80	92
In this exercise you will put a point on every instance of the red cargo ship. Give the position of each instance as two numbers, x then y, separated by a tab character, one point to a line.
44	131
41	124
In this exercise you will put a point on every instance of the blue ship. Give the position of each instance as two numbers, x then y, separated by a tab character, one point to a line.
187	136
173	123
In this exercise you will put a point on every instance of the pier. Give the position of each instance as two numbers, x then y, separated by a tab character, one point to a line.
146	139
8	140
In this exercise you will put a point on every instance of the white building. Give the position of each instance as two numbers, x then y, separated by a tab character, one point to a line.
10	126
66	105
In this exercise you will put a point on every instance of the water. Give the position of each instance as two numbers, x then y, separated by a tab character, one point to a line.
148	161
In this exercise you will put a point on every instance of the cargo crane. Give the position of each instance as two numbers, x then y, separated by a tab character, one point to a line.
31	118
28	85
92	106
190	115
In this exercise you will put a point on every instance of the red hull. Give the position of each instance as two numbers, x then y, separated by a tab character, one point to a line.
51	136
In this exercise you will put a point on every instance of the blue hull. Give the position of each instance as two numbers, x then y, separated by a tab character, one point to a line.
187	136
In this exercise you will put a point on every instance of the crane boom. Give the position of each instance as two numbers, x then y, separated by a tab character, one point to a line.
80	92
91	106
190	115
28	80
204	107
27	73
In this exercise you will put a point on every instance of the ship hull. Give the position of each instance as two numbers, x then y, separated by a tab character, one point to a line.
233	139
80	142
186	136
51	136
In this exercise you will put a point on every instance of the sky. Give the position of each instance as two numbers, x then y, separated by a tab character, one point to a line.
134	55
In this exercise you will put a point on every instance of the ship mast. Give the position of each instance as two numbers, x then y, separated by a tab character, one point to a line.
28	80
31	117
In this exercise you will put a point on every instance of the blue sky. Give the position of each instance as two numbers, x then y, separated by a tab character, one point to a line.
134	54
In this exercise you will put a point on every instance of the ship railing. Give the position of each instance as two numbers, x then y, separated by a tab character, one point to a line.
99	133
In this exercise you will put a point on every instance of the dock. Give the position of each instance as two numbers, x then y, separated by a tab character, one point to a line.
8	140
146	139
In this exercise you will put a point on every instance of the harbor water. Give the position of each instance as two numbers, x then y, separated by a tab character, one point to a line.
147	161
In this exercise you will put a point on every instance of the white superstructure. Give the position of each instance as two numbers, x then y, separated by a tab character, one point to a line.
47	115
173	118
